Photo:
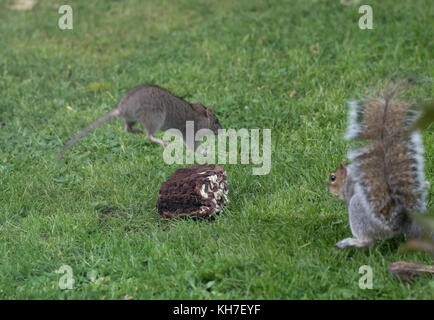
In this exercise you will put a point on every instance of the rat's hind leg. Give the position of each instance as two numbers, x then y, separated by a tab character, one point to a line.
153	139
151	128
129	127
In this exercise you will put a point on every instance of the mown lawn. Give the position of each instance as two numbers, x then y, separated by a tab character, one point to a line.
285	65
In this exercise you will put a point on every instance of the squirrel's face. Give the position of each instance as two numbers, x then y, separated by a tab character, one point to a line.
337	180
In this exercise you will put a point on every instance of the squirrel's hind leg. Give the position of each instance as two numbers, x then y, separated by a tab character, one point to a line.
353	242
414	231
364	229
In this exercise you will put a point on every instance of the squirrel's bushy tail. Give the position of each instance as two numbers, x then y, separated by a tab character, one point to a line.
85	131
391	167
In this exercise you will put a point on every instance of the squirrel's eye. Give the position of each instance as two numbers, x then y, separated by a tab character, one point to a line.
332	177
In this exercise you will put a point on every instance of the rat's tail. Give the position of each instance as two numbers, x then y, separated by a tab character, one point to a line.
85	131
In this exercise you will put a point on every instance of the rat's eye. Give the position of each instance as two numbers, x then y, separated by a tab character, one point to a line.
332	177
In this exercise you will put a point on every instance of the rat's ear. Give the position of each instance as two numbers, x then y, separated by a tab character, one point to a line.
198	107
209	112
343	166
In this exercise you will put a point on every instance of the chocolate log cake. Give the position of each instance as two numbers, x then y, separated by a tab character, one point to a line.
198	191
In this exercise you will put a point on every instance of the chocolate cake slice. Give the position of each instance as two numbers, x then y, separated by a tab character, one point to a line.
198	191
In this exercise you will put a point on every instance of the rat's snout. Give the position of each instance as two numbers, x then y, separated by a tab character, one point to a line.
217	128
214	124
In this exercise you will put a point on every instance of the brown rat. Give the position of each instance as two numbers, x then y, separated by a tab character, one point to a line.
154	108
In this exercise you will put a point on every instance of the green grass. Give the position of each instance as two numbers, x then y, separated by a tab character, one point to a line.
96	211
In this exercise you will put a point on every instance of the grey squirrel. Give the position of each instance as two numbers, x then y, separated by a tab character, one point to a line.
154	108
386	180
